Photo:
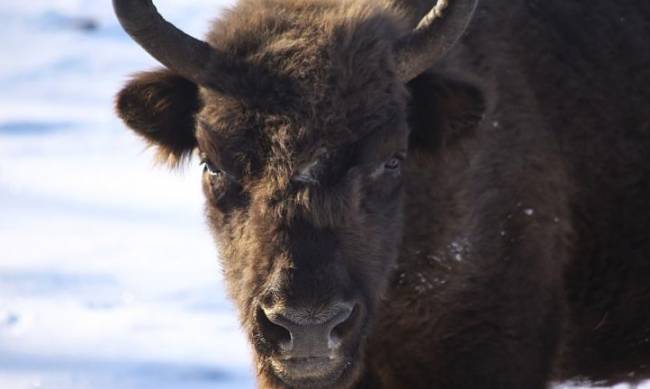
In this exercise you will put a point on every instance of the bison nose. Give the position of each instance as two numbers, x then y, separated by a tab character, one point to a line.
307	332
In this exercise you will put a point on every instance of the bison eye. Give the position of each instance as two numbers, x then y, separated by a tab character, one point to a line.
220	187
208	167
395	162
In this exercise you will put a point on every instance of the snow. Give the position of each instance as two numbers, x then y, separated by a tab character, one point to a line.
108	276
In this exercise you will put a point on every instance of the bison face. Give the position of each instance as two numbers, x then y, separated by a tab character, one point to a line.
306	263
308	226
304	199
298	113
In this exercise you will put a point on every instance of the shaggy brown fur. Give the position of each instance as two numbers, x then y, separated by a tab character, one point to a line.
512	249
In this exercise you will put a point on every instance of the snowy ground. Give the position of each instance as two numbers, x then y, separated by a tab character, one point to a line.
108	277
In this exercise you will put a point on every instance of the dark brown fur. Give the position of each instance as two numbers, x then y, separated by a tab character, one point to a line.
515	248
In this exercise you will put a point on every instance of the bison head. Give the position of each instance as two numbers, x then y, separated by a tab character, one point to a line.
297	109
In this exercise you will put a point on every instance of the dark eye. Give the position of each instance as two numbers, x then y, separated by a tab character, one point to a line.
395	162
209	168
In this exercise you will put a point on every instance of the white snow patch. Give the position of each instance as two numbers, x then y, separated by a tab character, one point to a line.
459	249
108	276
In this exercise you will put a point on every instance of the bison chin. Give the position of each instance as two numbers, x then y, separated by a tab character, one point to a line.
314	372
311	373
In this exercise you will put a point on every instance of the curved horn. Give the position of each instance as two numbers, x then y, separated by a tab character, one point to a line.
436	33
169	45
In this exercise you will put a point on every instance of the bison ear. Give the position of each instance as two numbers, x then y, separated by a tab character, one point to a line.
442	111
160	107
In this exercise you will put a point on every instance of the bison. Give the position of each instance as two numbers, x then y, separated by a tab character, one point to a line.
410	195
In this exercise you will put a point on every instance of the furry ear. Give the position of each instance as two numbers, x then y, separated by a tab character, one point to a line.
160	106
442	111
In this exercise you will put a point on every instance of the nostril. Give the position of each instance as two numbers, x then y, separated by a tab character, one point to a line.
307	332
272	332
345	325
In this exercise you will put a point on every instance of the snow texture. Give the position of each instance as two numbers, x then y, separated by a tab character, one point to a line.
108	276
